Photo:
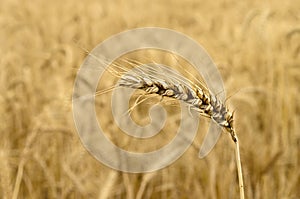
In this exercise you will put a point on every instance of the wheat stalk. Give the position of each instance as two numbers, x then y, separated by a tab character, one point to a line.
198	97
150	79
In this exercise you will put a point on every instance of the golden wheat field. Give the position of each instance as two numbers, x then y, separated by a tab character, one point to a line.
255	45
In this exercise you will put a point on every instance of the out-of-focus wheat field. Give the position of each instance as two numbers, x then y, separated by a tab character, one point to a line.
255	44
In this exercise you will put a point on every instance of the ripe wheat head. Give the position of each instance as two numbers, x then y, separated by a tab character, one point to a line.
196	96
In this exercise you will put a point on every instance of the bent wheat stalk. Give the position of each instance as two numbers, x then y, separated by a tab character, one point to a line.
197	97
175	86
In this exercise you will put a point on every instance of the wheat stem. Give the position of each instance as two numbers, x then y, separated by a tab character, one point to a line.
153	80
239	168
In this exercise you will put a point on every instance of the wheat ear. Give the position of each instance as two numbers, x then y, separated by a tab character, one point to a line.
196	96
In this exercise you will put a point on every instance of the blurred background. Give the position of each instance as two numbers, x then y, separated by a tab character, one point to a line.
255	44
